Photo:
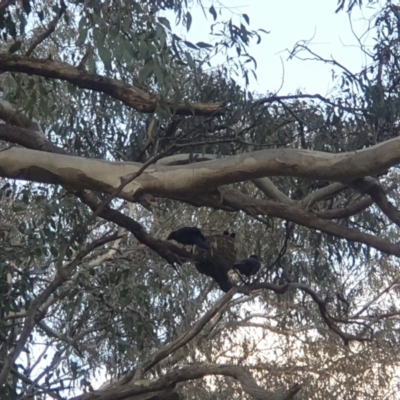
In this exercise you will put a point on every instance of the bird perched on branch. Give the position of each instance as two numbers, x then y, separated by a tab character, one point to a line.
218	262
248	266
189	236
232	235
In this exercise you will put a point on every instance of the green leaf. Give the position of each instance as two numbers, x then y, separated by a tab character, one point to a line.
164	22
71	88
122	345
23	23
146	71
10	25
163	113
158	73
246	18
161	35
213	12
15	46
26	6
191	45
105	56
190	60
83	30
204	45
188	20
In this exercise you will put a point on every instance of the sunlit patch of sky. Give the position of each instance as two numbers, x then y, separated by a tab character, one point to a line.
288	22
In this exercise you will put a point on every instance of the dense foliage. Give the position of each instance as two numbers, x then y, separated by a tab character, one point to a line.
89	288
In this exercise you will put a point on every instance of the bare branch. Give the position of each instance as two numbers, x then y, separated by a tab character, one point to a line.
271	191
346	212
372	187
321	303
35	313
380	294
321	194
228	199
49	31
165	249
272	99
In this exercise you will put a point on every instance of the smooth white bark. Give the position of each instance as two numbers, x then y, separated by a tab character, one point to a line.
199	177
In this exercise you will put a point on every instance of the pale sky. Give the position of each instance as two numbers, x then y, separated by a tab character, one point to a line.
289	21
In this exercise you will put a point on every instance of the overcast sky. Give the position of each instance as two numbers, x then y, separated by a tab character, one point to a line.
289	21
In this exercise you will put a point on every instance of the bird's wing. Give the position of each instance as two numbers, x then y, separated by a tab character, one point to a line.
238	265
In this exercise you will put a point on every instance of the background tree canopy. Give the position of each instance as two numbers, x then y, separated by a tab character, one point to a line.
116	131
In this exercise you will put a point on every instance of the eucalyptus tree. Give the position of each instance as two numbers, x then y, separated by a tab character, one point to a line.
117	130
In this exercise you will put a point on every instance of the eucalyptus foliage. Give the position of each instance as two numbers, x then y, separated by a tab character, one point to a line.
121	302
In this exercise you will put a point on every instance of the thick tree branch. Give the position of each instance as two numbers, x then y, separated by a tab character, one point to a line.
33	140
128	94
235	200
196	371
176	182
11	116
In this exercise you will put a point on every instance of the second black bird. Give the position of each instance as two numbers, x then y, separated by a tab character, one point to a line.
189	236
248	266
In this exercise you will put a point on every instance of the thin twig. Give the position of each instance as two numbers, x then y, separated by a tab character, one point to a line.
49	31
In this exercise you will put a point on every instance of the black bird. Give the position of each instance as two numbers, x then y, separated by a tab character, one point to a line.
189	236
232	235
248	266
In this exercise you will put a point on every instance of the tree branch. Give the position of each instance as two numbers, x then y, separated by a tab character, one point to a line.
346	212
130	95
321	194
4	4
49	31
177	182
271	191
321	303
196	371
186	337
235	200
16	162
372	187
12	116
